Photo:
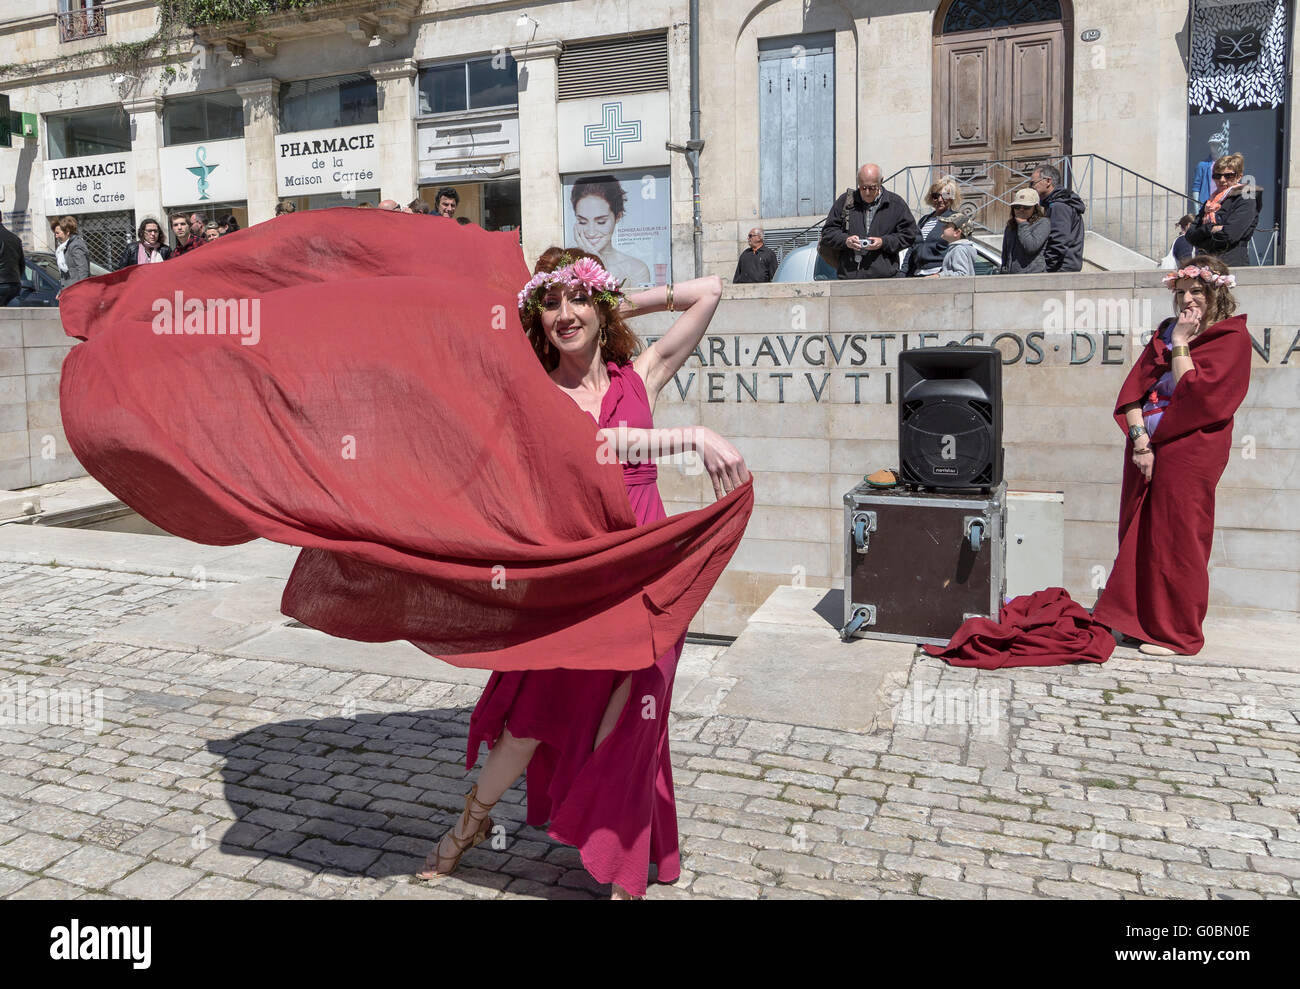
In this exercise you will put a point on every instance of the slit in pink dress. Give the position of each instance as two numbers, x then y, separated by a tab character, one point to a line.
615	804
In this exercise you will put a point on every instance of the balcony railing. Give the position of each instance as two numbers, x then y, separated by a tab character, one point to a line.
77	24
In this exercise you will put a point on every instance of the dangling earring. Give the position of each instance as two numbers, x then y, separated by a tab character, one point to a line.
546	346
602	336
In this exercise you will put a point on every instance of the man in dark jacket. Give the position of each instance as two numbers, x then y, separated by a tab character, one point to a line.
869	227
757	263
11	265
1064	250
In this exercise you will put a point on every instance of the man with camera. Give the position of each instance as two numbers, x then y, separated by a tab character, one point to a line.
867	229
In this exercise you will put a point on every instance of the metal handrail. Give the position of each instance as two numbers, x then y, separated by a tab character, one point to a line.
1124	206
1269	257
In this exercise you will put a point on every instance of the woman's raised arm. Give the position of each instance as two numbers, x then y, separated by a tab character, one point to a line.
715	456
697	299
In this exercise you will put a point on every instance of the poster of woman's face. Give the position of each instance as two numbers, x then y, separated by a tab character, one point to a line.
624	218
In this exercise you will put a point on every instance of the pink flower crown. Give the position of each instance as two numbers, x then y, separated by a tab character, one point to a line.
583	273
1205	274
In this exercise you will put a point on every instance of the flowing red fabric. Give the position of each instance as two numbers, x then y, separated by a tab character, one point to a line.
389	416
1159	587
1046	628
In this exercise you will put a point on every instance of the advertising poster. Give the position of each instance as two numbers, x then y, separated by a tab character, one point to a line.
625	218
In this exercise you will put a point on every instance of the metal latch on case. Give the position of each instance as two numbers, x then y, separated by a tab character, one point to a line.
864	523
863	614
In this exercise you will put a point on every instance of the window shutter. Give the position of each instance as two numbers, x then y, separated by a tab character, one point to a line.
619	65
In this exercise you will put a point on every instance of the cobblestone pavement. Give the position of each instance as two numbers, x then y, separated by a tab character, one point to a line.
226	777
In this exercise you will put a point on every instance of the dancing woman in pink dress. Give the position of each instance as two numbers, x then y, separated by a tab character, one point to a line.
595	743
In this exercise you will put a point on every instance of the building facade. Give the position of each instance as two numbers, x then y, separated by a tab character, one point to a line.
556	119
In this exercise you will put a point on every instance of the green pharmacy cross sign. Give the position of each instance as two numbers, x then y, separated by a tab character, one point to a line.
202	170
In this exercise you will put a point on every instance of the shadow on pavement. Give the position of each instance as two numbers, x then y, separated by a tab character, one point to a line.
369	795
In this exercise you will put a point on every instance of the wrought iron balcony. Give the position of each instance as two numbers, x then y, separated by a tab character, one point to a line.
77	24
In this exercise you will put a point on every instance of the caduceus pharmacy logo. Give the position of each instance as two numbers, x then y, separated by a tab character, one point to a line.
202	170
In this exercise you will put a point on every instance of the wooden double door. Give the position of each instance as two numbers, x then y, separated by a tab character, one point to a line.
1001	108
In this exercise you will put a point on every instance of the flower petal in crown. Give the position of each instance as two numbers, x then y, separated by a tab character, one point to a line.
1205	274
585	273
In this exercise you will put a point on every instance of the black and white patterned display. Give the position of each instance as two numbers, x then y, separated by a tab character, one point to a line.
1238	59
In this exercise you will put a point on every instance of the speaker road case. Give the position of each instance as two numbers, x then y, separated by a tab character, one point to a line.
919	563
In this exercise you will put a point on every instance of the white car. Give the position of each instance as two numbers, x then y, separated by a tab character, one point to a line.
803	265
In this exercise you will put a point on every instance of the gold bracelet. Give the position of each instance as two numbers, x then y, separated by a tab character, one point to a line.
669	287
1181	350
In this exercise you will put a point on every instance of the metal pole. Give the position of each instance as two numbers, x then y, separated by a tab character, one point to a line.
696	145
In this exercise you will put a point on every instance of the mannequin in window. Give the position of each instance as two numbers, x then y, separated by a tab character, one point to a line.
1203	186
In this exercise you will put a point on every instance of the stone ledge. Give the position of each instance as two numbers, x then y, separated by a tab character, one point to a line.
1078	282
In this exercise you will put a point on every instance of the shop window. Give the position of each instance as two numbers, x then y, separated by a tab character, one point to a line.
478	84
1236	94
215	212
491	205
92	132
338	101
106	234
501	206
329	200
208	117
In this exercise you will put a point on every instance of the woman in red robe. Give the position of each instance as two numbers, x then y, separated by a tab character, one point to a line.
1176	406
595	742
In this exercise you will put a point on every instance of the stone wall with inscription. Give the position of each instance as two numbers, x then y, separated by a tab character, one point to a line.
802	378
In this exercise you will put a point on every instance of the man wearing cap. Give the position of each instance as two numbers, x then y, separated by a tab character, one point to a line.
1025	240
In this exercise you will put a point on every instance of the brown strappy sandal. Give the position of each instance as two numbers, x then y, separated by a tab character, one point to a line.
462	845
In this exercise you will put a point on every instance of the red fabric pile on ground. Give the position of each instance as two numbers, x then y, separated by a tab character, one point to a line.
381	407
1046	628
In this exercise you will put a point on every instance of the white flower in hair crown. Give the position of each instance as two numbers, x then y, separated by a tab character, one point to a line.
583	273
1205	274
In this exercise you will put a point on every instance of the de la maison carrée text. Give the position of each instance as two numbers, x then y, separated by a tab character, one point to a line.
803	366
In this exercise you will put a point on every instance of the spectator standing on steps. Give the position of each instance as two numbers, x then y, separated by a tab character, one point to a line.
1025	240
757	263
869	227
1227	220
1064	251
926	257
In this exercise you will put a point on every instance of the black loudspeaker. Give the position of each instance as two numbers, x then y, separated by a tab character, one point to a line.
950	417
